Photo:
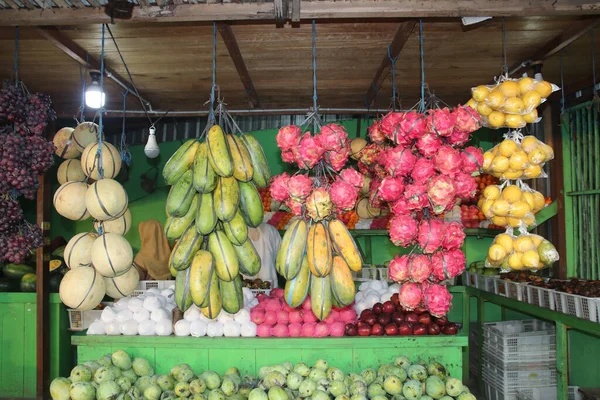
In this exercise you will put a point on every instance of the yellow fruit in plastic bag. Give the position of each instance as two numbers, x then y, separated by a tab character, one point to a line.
520	209
495	100
488	157
514	121
547	252
537	156
485	208
513	222
544	88
500	164
500	221
510	88
531	117
515	261
533	171
491	192
472	103
512	174
518	160
506	241
500	208
514	105
528	197
480	93
529	143
508	147
480	202
537	239
531	100
531	259
523	243
529	220
549	151
539	201
526	84
511	193
496	253
484	109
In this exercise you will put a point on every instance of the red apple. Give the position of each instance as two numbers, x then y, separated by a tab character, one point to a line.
450	329
441	321
389	307
419	330
405	329
420	310
433	329
384	319
377	308
362	323
411	317
425	318
377	330
391	330
364	330
351	330
395	299
370	319
365	313
398	317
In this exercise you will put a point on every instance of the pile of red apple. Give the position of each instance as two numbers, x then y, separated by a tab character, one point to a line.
391	319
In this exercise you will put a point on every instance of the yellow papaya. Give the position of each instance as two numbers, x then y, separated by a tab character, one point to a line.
232	296
292	249
318	250
201	272
251	204
183	296
205	178
236	229
248	258
181	196
212	304
342	283
242	165
185	249
343	244
226	261
227	198
296	289
206	217
262	174
320	296
175	226
218	152
180	161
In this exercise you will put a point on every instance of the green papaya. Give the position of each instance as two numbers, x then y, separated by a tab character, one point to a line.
183	296
175	226
343	288
181	196
206	218
212	305
226	261
236	229
227	198
205	178
242	164
232	296
296	289
292	250
262	175
249	260
185	249
219	156
201	273
251	204
320	296
180	161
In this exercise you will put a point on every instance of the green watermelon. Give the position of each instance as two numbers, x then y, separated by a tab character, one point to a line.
17	270
28	282
59	252
9	285
54	282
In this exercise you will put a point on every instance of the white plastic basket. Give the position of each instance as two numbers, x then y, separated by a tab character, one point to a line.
261	291
144	286
81	320
540	297
491	393
371	273
509	289
510	381
579	306
516	341
547	393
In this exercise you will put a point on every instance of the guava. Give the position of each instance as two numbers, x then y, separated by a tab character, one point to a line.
232	371
338	388
369	375
182	389
142	367
392	385
466	396
236	396
92	365
135	393
186	375
168	395
124	383
263	371
288	366
212	379
165	382
335	374
216	394
121	359
412	389
398	397
129	374
143	382
104	374
197	386
358	388
82	391
402	362
358	397
293	380
274	378
302	369
343	397
417	372
249	380
244	390
198	396
379	398
258	394
447	398
317	374
321	364
399	372
59	389
320	395
81	373
117	372
277	393
290	393
376	389
152	392
105	360
454	387
280	368
108	390
229	386
307	388
181	371
382	371
426	397
436	369
435	387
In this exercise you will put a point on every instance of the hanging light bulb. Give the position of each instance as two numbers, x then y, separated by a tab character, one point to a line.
151	149
94	96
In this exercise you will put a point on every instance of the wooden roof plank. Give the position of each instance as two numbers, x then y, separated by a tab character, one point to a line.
61	3
236	56
94	3
12	4
402	34
78	4
568	36
161	3
144	3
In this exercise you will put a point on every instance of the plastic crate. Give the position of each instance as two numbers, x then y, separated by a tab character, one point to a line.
468	279
509	289
540	297
492	393
510	381
548	393
144	286
81	320
579	306
515	341
485	282
371	273
256	292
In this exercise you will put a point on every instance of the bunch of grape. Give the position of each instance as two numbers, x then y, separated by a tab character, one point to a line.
28	113
10	213
19	244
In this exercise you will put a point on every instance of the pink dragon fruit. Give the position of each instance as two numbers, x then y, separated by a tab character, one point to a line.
376	133
332	137
289	156
472	160
441	192
413	126
294	206
448	160
447	264
441	121
466	119
455	236
398	269
343	195
431	235
437	299
300	186
374	197
399	161
288	137
309	152
428	144
465	185
420	268
338	159
458	137
423	170
391	189
279	187
352	177
400	207
390	124
318	204
410	295
403	230
370	154
416	196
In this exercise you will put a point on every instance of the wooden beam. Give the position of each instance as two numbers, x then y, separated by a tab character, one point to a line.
236	56
95	3
12	4
78	3
144	3
326	9
61	3
402	34
296	10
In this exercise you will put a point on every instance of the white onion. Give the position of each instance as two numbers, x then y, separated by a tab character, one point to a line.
108	315
129	328
135	304
242	316
192	313
141	315
182	328
113	328
152	303
147	328
164	328
214	329
96	328
248	329
231	329
198	328
160	315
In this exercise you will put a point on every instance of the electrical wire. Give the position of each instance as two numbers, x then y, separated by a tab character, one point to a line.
211	115
422	50
505	67
101	111
314	54
16	65
393	61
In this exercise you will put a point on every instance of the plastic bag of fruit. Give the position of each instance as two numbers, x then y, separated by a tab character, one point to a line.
518	157
523	252
512	205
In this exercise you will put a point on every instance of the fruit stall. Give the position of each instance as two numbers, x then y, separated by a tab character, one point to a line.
298	204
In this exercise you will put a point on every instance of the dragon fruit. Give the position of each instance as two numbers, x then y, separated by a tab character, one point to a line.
416	196
465	186
398	269
299	186
343	195
332	137
400	207
448	160
399	161
441	121
437	299
279	187
318	204
420	268
447	264
309	152
295	206
289	156
472	160
390	124
458	137
466	119
391	189
288	137
423	170
428	144
454	237
338	159
403	230
441	192
352	177
412	126
431	235
410	295
376	133
370	154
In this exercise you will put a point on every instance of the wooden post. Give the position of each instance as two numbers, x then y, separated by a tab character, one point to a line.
43	288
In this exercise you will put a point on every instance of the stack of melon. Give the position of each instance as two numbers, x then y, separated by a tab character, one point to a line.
99	263
212	202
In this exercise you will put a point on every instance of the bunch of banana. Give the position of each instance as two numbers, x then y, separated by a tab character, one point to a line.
212	202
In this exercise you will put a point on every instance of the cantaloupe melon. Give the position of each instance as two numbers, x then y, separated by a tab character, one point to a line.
85	134
65	145
111	161
356	147
120	225
70	171
69	201
78	252
106	199
112	255
122	285
82	288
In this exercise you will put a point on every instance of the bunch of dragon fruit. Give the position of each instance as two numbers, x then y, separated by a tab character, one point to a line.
333	189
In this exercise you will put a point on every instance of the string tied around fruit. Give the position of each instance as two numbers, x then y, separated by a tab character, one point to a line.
124	148
83	71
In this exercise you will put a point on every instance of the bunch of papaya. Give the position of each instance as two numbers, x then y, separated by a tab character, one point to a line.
212	201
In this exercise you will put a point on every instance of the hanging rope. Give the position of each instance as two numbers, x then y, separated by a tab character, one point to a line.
593	63
422	106
314	53
393	61
83	76
505	66
211	115
124	149
101	111
16	66
562	85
